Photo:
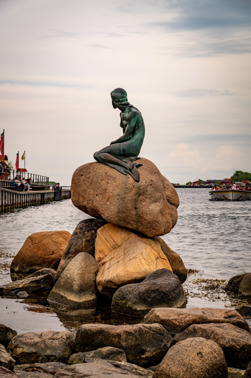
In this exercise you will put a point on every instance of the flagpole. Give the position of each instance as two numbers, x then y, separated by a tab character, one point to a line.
24	158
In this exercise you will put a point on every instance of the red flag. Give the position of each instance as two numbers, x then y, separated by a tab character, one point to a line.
17	161
2	144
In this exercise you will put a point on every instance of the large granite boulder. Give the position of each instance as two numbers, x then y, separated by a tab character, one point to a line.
161	288
177	319
46	346
148	206
195	357
105	353
240	284
5	358
82	240
75	289
40	250
125	257
39	281
144	344
235	342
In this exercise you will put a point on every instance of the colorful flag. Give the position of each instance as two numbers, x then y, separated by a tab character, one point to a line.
2	144
23	156
17	161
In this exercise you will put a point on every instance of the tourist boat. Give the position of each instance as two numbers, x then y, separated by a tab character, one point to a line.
230	195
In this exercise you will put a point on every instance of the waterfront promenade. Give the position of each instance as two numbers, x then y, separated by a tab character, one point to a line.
12	199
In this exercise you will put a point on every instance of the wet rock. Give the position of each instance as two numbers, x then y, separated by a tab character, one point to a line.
235	373
46	346
125	257
6	373
102	368
244	310
39	370
82	240
106	353
240	284
6	334
144	344
174	259
195	357
75	289
5	358
40	250
176	320
30	284
235	342
148	206
161	288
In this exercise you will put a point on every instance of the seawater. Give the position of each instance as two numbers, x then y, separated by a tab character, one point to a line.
212	237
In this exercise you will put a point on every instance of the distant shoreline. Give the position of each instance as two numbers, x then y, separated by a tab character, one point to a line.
192	187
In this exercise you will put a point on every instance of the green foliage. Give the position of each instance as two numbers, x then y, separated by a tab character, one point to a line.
241	176
189	183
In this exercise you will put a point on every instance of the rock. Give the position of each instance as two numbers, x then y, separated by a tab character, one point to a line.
124	257
161	288
235	342
75	289
240	284
6	334
106	353
46	346
40	370
245	310
248	371
176	320
101	368
174	259
6	373
40	250
148	206
30	284
82	240
144	344
235	373
245	286
195	357
5	358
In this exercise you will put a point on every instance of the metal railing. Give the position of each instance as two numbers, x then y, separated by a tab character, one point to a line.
36	179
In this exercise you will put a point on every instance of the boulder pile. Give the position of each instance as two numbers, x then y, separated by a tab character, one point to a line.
117	257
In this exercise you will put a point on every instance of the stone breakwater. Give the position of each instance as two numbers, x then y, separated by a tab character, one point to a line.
118	259
169	342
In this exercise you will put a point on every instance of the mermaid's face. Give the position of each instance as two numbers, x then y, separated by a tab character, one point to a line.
114	104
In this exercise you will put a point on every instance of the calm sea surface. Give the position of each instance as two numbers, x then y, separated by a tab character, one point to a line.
211	237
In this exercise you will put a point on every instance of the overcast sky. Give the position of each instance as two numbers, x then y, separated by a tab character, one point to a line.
185	64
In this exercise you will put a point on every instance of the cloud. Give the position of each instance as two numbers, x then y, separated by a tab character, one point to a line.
202	92
28	83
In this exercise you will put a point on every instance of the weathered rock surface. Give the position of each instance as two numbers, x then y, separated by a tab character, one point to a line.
174	259
148	206
235	373
235	342
248	371
161	288
6	334
124	257
46	346
106	353
40	250
6	373
75	289
31	284
82	240
176	320
240	284
195	357
39	370
5	358
144	344
102	368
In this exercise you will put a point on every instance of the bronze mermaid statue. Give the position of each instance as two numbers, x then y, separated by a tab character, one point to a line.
122	154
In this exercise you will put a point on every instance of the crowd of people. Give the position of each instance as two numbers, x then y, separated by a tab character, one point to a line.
231	187
21	184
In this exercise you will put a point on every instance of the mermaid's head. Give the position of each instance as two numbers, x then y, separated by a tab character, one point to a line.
119	97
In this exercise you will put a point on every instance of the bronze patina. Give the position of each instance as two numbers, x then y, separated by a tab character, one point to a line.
122	153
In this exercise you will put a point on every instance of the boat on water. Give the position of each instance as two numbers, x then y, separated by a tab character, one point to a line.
230	195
